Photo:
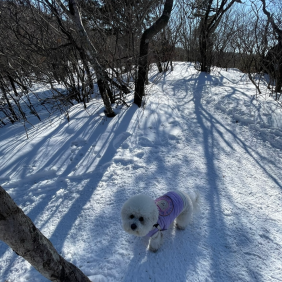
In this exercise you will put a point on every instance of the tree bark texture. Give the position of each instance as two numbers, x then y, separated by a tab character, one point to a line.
144	47
18	231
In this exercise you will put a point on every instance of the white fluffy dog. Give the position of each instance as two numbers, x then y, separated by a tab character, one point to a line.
143	216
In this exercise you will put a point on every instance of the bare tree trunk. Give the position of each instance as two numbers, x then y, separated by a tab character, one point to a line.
278	87
205	67
144	47
158	59
92	54
12	116
86	45
18	231
278	32
208	25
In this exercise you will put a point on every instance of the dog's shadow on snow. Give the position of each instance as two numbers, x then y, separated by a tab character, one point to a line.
177	255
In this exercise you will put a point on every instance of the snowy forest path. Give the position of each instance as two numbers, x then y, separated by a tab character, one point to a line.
189	136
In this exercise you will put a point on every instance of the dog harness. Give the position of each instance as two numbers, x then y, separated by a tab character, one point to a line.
170	206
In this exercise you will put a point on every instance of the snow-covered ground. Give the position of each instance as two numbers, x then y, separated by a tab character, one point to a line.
197	132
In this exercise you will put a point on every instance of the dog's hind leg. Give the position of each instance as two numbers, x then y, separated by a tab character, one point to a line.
190	206
184	219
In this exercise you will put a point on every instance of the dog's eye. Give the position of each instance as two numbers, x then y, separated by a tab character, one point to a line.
141	219
132	216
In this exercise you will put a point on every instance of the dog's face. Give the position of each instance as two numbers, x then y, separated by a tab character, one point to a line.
139	214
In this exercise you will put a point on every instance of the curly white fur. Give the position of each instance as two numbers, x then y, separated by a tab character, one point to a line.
140	213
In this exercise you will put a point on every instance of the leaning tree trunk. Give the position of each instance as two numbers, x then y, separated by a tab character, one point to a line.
91	53
144	47
18	231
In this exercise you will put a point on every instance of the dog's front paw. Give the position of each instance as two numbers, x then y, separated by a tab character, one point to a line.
153	249
156	241
180	227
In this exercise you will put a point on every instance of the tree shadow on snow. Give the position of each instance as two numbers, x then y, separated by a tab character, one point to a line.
85	155
178	254
221	250
222	243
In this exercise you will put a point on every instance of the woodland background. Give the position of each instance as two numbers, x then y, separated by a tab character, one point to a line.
81	48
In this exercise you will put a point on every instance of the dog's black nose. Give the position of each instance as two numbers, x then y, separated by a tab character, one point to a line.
133	226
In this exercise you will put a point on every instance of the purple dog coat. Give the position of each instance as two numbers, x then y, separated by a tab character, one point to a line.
170	206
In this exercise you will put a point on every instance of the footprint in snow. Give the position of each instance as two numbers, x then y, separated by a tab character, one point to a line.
78	142
145	142
76	146
119	140
139	155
